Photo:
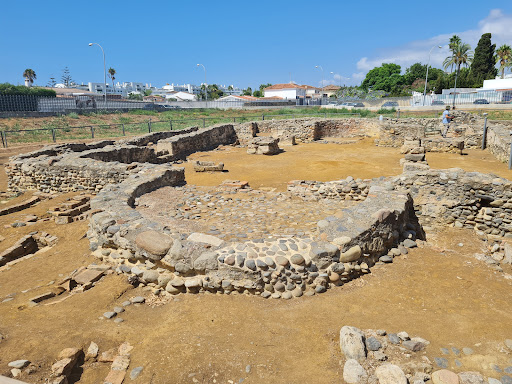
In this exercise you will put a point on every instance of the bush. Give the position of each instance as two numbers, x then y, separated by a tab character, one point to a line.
386	111
73	115
10	89
142	112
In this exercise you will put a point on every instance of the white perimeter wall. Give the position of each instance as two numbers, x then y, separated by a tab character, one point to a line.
285	93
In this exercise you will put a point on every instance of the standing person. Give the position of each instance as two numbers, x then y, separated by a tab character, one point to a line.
447	118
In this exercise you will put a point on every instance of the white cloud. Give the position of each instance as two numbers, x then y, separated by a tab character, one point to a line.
497	23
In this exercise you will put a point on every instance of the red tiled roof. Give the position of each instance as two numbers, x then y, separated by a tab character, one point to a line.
286	86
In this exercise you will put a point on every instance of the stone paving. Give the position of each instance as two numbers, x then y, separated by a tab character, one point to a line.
237	215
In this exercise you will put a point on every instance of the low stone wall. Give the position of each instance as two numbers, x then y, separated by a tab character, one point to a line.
285	267
498	141
179	147
306	130
465	199
63	174
392	131
440	144
89	167
348	189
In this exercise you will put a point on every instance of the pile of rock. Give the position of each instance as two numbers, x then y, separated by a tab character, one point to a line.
389	358
347	189
263	146
20	367
414	159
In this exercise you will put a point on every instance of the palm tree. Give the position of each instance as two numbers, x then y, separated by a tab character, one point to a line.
504	58
30	76
112	75
462	55
454	42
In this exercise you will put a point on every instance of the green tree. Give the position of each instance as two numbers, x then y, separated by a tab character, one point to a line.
386	78
263	86
257	93
214	92
504	58
230	88
247	91
357	93
30	76
135	96
66	77
419	71
484	61
415	72
148	92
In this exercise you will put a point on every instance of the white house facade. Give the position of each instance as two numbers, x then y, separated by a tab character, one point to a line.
289	91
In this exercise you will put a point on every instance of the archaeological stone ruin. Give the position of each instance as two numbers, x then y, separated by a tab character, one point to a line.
381	218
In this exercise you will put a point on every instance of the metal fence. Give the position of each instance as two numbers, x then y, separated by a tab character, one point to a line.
102	131
471	98
90	103
79	104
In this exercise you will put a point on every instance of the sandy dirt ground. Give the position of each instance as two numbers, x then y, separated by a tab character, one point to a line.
438	292
325	162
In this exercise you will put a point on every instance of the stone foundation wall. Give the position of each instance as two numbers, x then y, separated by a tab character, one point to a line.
89	167
179	147
307	130
287	267
304	130
498	141
438	144
392	131
465	199
348	189
63	174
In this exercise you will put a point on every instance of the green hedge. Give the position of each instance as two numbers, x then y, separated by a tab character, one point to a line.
9	89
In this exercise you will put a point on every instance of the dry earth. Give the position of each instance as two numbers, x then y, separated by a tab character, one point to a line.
438	292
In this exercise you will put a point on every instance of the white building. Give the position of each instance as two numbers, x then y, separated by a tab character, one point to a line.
181	96
231	90
289	91
239	98
123	89
498	84
190	88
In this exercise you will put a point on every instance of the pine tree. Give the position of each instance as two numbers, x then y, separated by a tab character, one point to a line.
482	67
52	82
66	77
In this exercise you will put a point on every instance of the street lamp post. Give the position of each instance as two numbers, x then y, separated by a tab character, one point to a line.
322	95
104	71
426	77
205	85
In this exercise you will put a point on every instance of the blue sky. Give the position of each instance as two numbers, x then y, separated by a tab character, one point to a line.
239	42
